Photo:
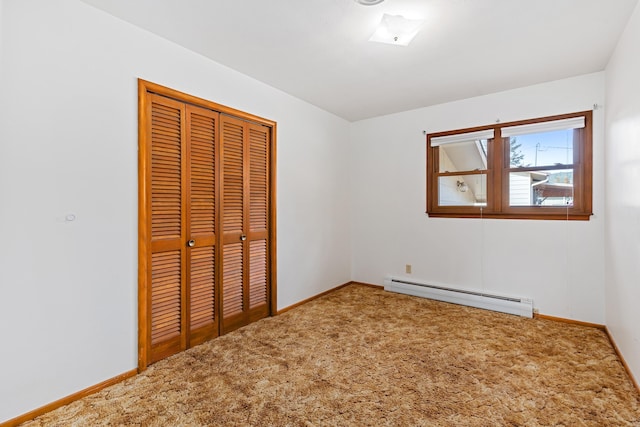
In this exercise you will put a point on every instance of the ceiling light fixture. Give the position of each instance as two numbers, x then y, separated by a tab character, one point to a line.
396	29
369	2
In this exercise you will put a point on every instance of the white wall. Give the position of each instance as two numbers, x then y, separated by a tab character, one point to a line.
622	224
557	263
1	32
68	145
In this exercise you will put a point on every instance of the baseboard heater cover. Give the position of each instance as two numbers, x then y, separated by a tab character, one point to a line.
512	305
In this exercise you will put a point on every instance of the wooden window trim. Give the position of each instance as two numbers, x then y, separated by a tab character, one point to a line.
497	173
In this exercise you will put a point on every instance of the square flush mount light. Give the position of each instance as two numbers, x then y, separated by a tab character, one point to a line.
396	29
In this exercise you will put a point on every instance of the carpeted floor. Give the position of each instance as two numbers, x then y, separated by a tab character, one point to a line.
364	357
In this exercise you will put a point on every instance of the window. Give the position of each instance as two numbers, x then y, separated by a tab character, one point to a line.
531	169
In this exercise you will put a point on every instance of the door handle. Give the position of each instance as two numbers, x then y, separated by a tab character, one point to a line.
191	243
243	237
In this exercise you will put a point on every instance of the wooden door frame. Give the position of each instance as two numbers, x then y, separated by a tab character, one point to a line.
144	221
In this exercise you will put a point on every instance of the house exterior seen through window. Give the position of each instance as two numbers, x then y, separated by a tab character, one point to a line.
532	169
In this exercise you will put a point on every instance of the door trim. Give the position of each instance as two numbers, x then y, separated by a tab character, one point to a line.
146	88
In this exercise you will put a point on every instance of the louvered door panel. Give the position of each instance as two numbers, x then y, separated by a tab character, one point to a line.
166	158
167	329
201	280
233	184
258	274
258	182
202	289
234	287
258	221
166	297
232	280
202	163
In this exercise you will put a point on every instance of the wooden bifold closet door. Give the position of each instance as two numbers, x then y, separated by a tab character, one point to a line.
182	302
245	210
205	252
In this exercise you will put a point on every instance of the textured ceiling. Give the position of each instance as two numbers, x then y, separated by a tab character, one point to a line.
318	50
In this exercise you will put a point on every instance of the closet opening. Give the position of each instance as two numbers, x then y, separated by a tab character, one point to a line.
206	220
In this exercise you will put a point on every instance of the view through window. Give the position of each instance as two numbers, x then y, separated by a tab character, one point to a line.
536	169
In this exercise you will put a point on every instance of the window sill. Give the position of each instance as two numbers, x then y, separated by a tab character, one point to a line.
530	216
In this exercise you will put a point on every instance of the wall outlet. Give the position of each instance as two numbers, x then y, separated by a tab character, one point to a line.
407	268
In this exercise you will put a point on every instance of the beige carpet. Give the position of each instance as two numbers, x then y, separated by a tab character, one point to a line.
364	357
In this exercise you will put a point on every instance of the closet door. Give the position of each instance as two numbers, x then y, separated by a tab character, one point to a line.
206	247
245	218
181	200
166	273
258	222
202	219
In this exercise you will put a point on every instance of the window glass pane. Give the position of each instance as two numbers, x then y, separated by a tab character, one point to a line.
462	190
542	149
541	188
463	156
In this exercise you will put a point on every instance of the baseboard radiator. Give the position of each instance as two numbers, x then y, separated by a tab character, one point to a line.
512	305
